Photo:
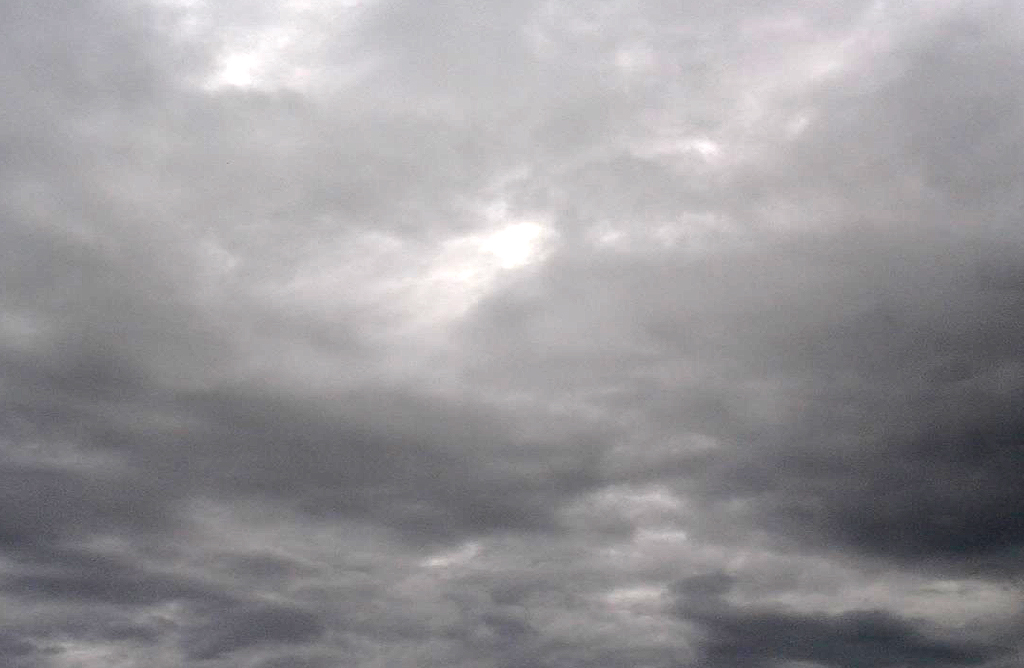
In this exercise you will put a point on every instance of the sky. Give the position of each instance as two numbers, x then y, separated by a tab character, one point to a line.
511	334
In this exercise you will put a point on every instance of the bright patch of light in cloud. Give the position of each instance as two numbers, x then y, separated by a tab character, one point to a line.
454	558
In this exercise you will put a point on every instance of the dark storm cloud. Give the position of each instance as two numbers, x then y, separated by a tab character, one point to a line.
949	493
891	421
742	637
271	393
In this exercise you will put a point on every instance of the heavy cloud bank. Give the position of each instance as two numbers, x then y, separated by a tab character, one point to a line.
531	334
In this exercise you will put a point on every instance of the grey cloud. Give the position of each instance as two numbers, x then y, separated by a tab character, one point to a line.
252	625
80	576
413	474
861	376
707	586
96	626
44	504
427	48
218	621
12	647
263	567
856	639
294	661
740	636
775	326
130	633
966	507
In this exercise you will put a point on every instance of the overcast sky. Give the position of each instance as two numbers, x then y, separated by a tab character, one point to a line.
511	334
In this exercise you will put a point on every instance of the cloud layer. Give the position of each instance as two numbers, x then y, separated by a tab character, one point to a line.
511	334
